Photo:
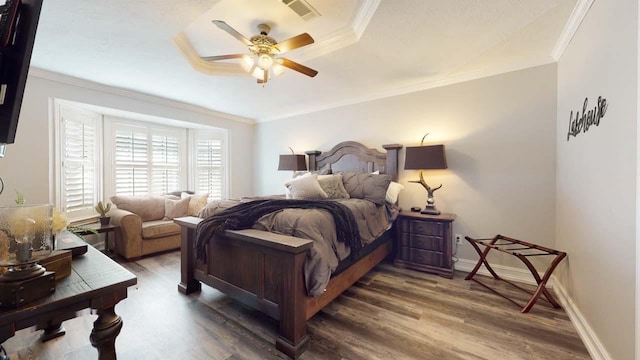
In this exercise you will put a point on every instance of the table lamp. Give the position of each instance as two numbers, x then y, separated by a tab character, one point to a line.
426	157
292	162
25	238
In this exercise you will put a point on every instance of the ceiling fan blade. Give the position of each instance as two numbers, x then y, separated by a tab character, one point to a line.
265	76
224	26
294	43
297	67
222	57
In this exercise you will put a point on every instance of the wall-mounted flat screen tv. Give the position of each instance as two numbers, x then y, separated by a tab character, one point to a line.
18	25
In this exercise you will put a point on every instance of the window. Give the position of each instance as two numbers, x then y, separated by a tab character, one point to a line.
98	156
77	157
147	159
210	160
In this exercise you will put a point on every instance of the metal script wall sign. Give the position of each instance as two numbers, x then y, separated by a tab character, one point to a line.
588	118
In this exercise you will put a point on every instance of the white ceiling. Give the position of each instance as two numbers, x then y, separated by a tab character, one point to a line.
364	49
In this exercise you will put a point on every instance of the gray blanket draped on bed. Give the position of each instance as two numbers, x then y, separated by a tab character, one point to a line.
244	215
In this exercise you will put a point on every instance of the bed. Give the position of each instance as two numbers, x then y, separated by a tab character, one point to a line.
264	270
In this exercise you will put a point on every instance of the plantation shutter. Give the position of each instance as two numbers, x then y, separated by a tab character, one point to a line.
131	161
210	166
166	164
147	160
78	152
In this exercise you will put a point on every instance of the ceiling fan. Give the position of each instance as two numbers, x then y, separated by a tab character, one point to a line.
263	59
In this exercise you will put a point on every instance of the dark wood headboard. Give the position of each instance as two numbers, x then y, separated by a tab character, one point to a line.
353	156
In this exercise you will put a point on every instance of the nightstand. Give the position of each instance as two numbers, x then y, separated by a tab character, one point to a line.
424	242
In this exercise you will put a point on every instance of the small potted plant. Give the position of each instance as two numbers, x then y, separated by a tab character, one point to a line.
103	209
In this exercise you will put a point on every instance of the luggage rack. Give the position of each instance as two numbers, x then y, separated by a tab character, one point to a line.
521	250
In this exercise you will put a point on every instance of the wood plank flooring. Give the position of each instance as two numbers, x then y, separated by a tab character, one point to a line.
389	314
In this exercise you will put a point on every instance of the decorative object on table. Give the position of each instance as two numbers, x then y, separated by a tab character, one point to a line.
426	157
25	238
103	209
72	243
292	162
59	261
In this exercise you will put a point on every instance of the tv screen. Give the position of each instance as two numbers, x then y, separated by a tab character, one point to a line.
18	25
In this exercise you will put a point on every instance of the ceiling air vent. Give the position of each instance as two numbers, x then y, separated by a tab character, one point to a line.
302	8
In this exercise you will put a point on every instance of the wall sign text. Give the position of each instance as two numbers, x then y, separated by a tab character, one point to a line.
582	123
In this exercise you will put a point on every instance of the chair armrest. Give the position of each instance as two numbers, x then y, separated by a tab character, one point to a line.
128	237
127	220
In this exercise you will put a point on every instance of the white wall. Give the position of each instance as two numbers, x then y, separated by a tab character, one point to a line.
596	174
499	134
26	167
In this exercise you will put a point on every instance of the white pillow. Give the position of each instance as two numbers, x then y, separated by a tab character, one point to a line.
175	208
306	187
393	191
197	202
299	174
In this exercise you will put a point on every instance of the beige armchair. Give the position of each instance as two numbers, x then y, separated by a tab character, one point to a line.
142	226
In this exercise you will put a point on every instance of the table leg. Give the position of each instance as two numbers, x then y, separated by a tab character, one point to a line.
52	331
105	330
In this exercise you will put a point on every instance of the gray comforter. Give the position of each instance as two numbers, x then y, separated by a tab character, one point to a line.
318	225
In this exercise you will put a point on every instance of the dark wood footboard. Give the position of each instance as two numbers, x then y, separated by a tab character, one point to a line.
261	269
265	271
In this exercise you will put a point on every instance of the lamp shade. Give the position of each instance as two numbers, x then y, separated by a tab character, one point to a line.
292	162
425	158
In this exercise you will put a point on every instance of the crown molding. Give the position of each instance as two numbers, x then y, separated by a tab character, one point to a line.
411	88
363	16
571	27
86	84
343	37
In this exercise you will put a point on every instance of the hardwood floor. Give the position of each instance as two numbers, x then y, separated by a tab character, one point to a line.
390	314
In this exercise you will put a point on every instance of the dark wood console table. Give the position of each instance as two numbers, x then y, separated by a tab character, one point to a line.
96	282
521	250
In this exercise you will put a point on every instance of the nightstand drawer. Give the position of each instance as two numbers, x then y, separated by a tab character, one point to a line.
421	241
421	227
426	228
424	257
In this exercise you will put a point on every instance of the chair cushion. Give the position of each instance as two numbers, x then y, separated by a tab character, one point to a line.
147	207
159	228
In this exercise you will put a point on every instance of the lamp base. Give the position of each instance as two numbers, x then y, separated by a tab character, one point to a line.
14	294
430	210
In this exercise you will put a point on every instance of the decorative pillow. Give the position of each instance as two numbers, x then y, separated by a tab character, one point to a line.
366	186
393	191
175	208
333	186
196	202
326	170
306	187
148	208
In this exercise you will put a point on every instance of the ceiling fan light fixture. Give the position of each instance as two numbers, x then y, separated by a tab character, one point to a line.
277	69
265	61
261	63
257	73
247	63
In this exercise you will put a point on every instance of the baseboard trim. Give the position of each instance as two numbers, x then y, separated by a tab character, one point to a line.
588	337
